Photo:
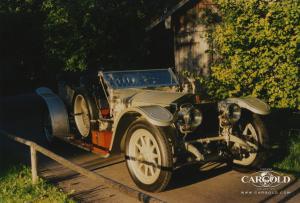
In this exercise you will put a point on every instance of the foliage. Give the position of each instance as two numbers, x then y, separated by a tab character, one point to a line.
257	41
82	33
40	38
78	34
21	53
258	44
16	186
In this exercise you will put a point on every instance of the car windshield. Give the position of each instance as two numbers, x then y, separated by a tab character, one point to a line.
140	78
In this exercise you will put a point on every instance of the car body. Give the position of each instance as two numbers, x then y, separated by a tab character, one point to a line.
159	124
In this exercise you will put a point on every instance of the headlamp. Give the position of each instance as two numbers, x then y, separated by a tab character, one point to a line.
189	118
234	113
230	111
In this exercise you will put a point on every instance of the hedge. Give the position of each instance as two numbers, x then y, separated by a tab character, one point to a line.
258	42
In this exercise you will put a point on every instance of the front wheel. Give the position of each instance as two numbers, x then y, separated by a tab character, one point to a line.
252	129
148	156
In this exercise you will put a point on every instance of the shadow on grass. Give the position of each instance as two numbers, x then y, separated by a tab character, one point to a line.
283	127
12	154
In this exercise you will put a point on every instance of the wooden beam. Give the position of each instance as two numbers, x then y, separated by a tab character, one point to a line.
34	173
167	14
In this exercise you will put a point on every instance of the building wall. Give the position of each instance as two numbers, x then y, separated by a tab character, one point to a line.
191	43
160	45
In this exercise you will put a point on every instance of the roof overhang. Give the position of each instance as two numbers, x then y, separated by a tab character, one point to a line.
167	15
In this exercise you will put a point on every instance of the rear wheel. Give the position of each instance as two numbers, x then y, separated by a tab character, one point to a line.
85	113
47	128
148	156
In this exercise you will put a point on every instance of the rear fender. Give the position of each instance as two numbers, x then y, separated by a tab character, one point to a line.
57	111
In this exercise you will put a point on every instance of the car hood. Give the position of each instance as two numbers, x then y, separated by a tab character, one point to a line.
150	97
137	97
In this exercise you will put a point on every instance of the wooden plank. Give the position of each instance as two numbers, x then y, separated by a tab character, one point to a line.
34	173
15	138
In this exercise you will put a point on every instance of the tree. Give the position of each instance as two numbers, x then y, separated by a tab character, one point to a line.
43	37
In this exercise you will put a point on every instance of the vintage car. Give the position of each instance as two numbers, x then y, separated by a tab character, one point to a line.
156	122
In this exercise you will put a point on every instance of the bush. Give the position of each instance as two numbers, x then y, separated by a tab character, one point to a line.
258	42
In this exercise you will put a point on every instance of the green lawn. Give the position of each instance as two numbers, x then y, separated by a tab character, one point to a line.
16	186
291	162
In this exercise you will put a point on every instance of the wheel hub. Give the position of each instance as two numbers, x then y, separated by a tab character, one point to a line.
249	133
144	149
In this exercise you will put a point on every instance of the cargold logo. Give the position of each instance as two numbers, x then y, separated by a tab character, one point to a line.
266	178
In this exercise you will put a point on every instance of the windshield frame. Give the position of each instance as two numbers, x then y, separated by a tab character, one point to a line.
172	74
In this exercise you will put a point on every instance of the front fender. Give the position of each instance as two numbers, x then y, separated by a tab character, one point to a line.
252	104
156	115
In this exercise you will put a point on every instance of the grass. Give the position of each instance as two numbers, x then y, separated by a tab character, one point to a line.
16	186
291	162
